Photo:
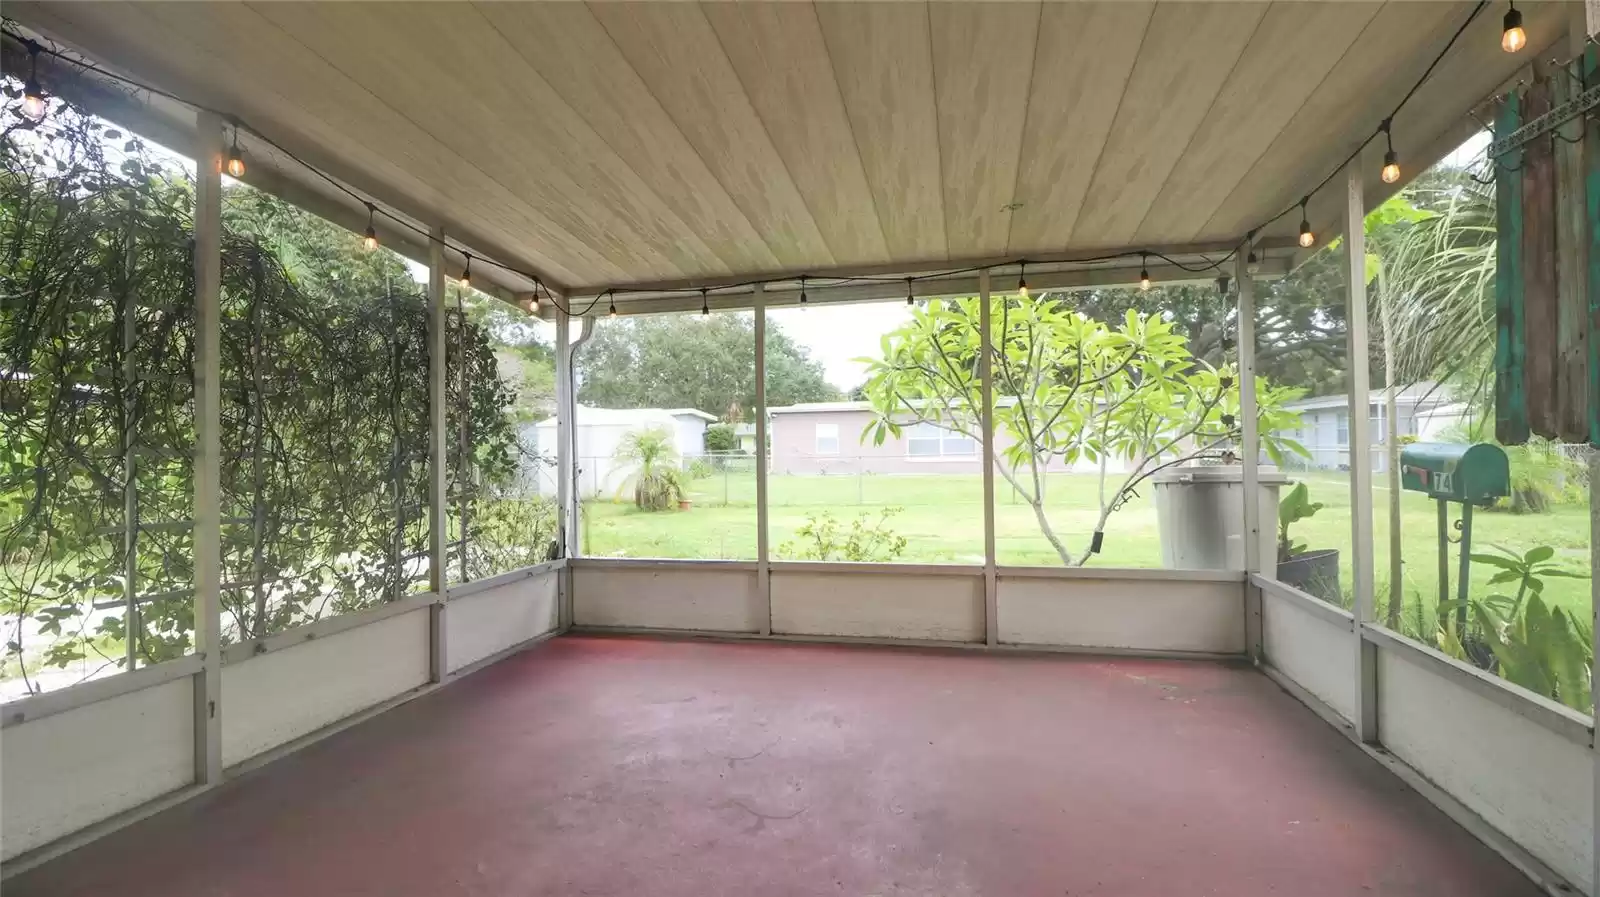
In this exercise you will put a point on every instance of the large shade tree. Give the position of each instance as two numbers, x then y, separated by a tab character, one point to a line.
695	361
1066	387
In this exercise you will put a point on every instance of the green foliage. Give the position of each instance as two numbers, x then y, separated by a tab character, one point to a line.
692	361
324	407
1547	650
651	461
1066	388
822	538
1293	508
721	438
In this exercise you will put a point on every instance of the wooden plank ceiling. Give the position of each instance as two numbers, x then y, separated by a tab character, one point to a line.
614	144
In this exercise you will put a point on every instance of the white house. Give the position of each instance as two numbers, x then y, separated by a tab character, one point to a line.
1423	411
600	430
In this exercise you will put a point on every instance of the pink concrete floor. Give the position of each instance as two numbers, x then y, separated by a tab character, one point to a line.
643	767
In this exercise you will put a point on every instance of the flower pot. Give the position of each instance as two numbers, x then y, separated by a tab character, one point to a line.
1314	572
684	504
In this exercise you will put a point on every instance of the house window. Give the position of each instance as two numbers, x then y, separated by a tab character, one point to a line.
927	440
1341	425
827	439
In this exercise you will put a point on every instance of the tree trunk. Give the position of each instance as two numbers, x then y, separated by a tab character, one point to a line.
1035	500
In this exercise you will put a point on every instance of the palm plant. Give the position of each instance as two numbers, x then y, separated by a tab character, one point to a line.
651	461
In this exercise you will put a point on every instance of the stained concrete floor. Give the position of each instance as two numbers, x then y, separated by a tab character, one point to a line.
613	766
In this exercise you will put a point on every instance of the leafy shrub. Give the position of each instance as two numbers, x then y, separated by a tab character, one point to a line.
721	438
822	538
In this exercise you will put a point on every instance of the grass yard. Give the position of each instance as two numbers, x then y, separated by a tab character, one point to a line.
941	518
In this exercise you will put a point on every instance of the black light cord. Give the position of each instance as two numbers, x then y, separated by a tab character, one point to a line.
1386	120
1207	265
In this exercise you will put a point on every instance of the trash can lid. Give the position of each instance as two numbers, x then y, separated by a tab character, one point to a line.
1266	475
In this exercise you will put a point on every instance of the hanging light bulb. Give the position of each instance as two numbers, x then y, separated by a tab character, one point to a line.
537	286
1022	279
370	241
1252	265
802	291
1512	37
1306	237
1391	162
33	104
235	157
1144	272
466	273
612	311
705	304
911	298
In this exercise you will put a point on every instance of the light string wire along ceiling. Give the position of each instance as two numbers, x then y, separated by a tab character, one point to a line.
36	107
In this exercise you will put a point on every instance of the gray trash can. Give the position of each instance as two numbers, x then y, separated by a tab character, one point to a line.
1201	516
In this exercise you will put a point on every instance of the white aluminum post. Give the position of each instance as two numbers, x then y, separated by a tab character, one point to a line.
565	444
991	585
1355	251
763	558
208	448
438	501
1391	461
1594	611
1250	450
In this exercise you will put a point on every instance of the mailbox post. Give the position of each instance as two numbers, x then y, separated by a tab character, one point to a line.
1470	475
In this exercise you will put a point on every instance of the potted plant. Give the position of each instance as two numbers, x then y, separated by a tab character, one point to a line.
672	482
1313	571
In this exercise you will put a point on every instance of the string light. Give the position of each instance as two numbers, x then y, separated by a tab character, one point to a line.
802	291
1306	237
1512	37
1391	162
466	273
370	241
235	158
612	311
911	298
1144	272
705	303
1251	263
1022	279
33	104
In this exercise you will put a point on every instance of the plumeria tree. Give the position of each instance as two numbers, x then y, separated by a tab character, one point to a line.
1066	388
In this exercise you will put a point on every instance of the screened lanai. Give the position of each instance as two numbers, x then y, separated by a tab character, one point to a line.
411	668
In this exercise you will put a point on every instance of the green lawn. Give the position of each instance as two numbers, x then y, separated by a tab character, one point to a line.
942	520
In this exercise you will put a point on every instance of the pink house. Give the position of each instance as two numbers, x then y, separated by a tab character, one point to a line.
827	438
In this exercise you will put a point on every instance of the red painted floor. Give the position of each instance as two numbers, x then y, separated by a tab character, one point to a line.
643	767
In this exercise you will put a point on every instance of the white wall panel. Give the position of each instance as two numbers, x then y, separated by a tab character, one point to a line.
1534	785
63	772
278	697
668	596
485	623
1158	614
878	605
1314	652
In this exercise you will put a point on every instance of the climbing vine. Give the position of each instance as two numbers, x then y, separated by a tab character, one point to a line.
324	416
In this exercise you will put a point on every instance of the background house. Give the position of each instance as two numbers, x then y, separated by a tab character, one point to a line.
826	438
599	430
1424	411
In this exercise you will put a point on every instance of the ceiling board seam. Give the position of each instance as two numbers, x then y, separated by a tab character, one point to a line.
1267	150
1022	126
1222	87
465	163
418	207
704	162
755	110
644	185
1444	27
938	142
1094	170
855	138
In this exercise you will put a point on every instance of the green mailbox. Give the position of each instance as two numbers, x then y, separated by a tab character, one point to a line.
1452	472
1470	474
